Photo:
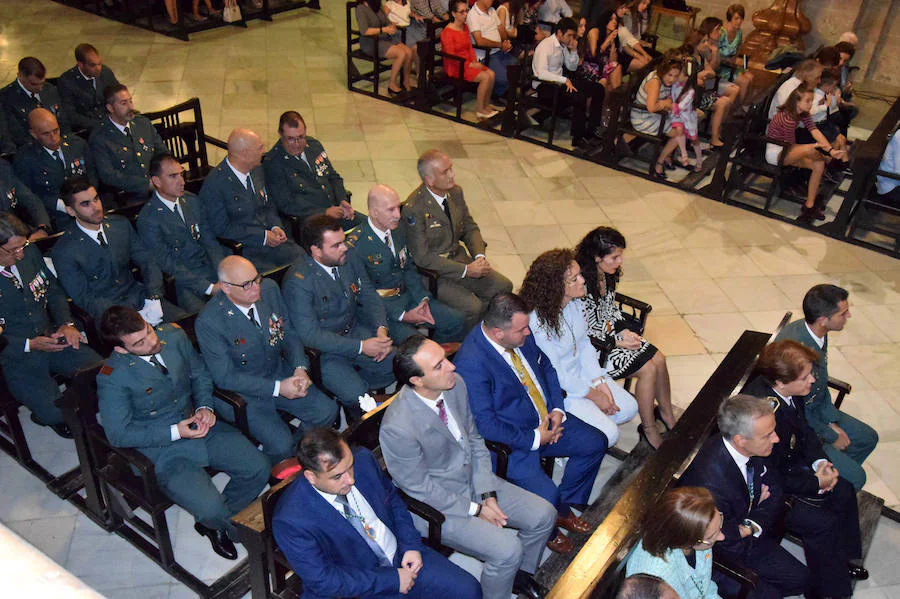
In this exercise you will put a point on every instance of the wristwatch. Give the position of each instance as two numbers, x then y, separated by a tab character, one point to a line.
488	495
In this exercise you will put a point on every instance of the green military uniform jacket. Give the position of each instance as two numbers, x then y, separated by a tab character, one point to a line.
123	161
819	407
386	269
434	242
83	101
44	175
301	190
15	196
18	104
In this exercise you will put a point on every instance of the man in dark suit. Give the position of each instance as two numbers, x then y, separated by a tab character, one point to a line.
516	399
435	454
379	245
81	88
239	207
347	533
301	179
252	347
748	492
15	196
824	512
173	225
156	396
123	144
49	160
36	320
437	223
29	91
94	257
846	440
338	312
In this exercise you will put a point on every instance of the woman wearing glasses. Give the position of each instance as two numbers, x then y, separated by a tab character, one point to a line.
677	536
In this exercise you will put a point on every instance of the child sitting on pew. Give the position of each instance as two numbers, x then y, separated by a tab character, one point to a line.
685	114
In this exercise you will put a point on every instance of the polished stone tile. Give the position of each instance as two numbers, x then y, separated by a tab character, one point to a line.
718	332
754	293
696	296
672	335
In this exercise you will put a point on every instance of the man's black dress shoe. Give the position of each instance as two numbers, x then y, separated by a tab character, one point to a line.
62	429
525	584
857	572
219	540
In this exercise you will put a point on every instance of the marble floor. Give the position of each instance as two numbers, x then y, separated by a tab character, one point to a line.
709	270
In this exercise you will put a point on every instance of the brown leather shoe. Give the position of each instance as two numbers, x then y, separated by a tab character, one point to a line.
573	523
560	544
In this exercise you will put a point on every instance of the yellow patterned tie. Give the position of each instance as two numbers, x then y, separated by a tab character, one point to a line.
529	383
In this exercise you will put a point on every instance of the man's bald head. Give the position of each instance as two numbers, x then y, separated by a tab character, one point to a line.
232	267
236	273
384	207
44	128
850	38
245	149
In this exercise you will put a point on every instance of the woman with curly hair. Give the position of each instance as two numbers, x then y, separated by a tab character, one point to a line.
553	288
600	256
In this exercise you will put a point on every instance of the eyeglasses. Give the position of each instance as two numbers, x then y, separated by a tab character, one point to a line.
246	285
295	140
714	535
18	250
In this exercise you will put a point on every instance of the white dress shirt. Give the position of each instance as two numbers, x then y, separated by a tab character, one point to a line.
383	535
820	341
503	354
548	61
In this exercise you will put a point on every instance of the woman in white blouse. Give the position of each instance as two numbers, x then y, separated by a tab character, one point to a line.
553	288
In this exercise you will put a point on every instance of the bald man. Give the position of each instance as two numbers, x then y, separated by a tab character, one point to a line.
238	205
250	347
123	145
51	159
379	245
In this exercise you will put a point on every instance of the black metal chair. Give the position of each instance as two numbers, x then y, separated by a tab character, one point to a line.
878	215
356	53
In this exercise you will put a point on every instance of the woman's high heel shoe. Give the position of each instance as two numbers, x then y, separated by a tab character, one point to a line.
643	436
659	418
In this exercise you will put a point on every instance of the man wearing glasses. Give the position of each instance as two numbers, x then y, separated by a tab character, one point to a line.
250	347
302	179
37	322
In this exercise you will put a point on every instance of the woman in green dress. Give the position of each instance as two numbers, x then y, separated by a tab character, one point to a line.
730	40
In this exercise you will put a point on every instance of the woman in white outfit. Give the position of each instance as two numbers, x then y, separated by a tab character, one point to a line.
553	289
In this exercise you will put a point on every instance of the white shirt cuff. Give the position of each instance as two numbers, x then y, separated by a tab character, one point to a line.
209	289
402	314
60	206
465	269
473	508
277	390
756	528
360	348
27	345
174	432
817	463
561	412
537	440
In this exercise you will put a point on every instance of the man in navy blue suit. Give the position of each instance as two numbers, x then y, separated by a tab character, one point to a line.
748	492
347	533
516	399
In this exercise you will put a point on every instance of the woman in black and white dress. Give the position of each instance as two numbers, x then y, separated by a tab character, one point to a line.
600	256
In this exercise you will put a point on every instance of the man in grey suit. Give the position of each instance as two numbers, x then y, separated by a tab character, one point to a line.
81	88
435	454
438	223
173	225
238	205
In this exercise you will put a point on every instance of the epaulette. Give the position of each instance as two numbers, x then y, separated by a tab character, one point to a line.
299	275
352	237
106	370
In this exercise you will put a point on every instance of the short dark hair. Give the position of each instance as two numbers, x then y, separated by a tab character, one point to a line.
82	51
734	9
72	186
642	586
320	448
405	366
157	161
32	67
829	77
118	321
110	91
783	361
678	520
11	226
828	57
291	118
566	24
314	228
709	24
822	300
845	48
501	309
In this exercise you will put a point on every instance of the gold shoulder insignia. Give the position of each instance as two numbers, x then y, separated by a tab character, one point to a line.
299	276
175	325
106	370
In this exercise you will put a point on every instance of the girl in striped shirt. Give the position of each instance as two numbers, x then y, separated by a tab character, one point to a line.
814	156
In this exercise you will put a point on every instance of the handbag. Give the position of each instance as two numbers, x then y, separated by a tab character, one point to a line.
232	12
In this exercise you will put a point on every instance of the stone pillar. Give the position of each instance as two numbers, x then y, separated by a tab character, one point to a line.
781	24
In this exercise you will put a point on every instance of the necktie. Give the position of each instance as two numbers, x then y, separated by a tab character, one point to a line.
365	531
442	411
101	239
252	317
127	132
8	273
447	210
36	98
178	210
529	384
304	160
58	156
388	242
750	482
249	183
155	361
